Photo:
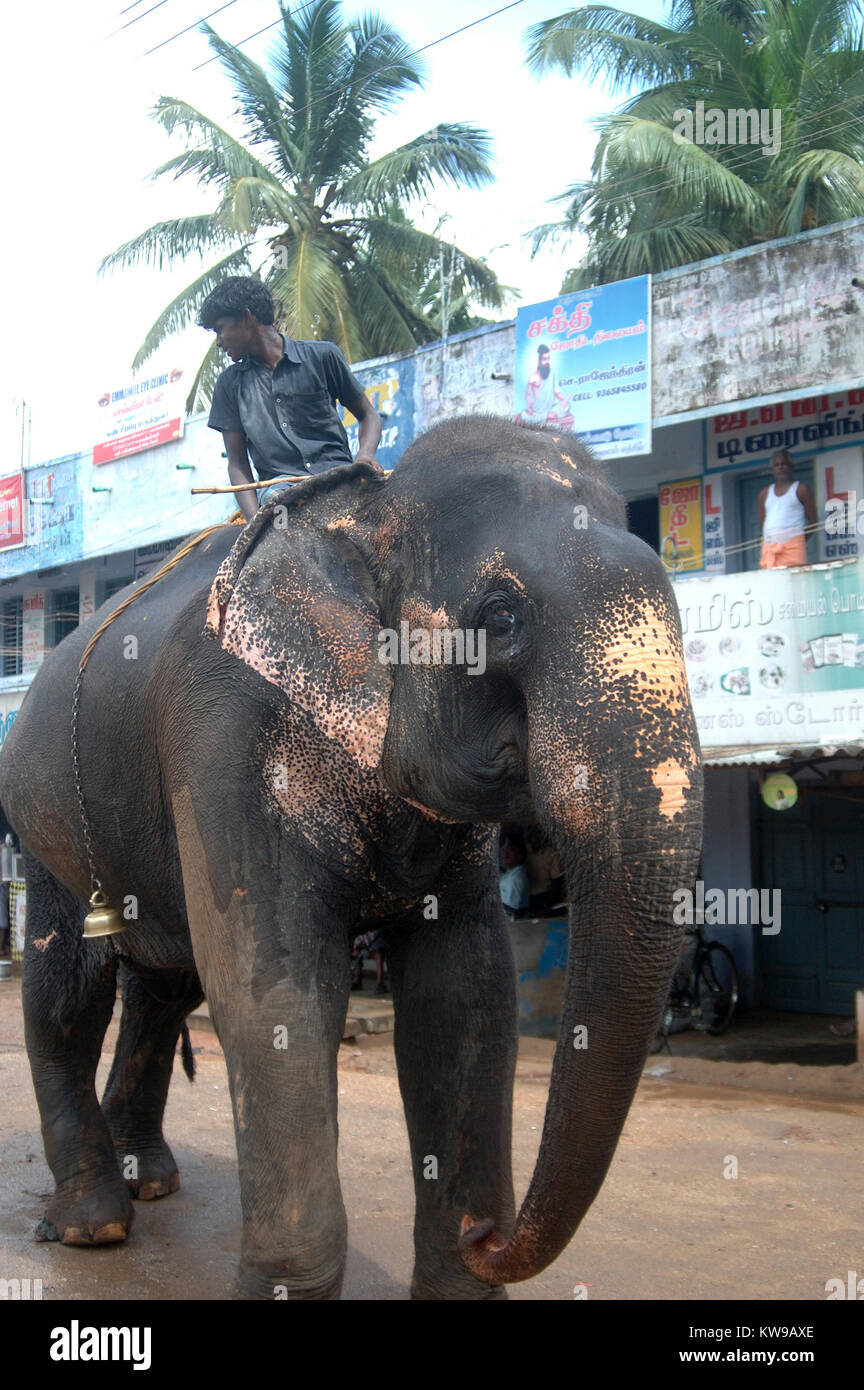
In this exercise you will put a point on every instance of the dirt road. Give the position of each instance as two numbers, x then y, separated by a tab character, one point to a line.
667	1224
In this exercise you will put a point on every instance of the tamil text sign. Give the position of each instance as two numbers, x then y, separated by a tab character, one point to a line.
583	363
776	658
827	421
681	524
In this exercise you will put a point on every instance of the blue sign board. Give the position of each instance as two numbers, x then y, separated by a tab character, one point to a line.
54	523
583	363
390	388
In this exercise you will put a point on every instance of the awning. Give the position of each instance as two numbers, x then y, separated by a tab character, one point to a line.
764	756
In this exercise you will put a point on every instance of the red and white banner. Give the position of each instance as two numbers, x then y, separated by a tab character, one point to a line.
140	415
12	511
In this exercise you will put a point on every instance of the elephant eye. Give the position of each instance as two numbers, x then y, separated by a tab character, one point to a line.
499	618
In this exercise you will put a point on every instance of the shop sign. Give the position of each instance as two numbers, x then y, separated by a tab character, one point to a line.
681	525
139	415
583	363
744	437
776	657
12	512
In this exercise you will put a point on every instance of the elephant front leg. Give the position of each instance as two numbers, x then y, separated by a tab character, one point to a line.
68	994
272	952
281	1052
455	999
155	1003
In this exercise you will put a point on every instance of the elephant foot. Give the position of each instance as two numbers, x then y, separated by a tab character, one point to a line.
149	1171
101	1216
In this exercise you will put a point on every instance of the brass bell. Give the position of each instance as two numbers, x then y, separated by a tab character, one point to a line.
102	920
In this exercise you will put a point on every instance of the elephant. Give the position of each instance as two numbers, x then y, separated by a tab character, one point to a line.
263	780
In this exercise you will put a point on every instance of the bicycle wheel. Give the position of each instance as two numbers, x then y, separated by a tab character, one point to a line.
716	987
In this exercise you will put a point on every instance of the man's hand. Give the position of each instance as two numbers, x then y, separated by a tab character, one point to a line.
240	471
369	433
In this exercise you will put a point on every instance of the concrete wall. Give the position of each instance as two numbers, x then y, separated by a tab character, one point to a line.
769	321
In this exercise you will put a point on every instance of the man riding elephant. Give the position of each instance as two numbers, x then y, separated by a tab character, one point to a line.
262	788
277	402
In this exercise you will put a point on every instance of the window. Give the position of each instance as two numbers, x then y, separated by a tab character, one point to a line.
13	611
113	586
63	615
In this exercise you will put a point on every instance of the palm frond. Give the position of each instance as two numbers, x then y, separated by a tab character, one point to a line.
211	368
458	154
183	307
228	157
600	41
166	242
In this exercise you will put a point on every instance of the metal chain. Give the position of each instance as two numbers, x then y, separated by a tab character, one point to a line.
95	883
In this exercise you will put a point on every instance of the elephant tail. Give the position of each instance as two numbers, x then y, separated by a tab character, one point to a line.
187	1053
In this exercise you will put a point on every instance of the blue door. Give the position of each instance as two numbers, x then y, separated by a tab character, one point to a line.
813	854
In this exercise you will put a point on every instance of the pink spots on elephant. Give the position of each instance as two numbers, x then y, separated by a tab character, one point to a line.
548	471
672	781
495	566
43	942
420	614
637	647
357	720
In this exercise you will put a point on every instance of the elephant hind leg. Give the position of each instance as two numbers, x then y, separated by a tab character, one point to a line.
68	994
155	1003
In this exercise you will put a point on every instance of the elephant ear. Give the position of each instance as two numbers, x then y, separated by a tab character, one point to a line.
294	601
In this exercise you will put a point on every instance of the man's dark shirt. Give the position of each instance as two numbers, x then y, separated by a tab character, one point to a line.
288	416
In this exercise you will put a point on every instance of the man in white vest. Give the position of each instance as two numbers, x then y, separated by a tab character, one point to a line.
785	509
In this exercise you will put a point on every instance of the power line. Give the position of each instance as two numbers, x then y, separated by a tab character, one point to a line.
376	72
733	164
130	22
236	46
201	20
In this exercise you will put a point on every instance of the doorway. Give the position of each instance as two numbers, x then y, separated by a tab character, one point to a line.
812	853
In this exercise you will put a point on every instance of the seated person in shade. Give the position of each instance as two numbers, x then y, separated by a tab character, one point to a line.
515	889
545	875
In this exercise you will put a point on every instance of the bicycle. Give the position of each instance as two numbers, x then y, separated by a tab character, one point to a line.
704	993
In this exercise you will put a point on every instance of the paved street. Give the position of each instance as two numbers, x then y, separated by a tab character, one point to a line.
667	1224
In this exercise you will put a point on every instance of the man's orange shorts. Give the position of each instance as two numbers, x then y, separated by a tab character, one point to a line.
781	554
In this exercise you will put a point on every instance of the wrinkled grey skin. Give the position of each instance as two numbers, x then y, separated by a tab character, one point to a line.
268	790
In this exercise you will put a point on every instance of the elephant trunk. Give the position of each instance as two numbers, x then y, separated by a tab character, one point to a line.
628	828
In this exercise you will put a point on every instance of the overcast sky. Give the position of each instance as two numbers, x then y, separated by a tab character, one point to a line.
80	144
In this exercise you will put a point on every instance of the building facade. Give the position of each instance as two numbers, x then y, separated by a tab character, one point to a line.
751	353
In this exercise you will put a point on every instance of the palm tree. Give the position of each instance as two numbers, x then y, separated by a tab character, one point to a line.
654	201
298	199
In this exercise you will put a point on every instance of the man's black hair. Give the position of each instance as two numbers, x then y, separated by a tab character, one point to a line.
233	297
544	347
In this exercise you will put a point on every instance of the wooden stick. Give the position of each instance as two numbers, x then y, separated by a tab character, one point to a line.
245	487
267	482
